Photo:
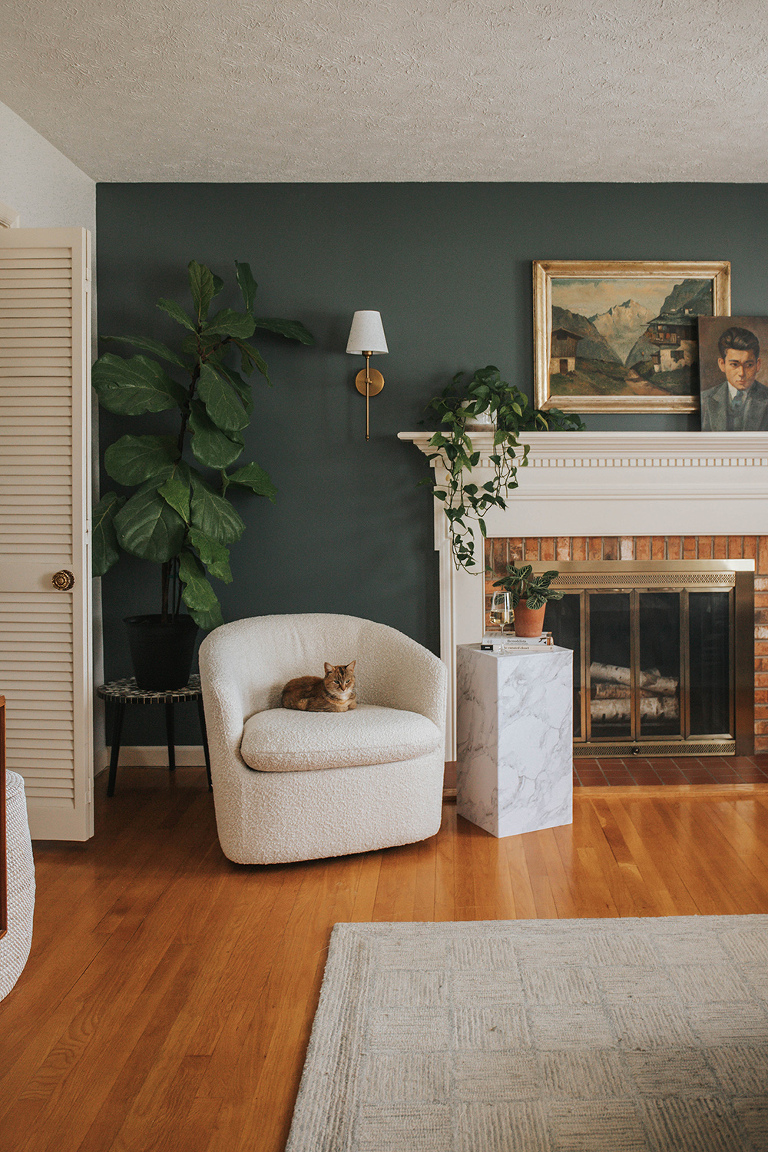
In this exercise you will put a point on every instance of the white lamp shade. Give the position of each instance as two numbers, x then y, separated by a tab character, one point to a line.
366	334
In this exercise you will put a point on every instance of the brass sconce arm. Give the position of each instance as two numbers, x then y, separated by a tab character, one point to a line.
369	382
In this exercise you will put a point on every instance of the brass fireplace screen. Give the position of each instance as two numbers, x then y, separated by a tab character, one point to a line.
663	654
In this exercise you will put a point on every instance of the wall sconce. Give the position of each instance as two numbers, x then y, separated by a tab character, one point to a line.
366	336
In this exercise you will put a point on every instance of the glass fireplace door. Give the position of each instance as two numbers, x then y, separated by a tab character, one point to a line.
661	665
663	655
610	673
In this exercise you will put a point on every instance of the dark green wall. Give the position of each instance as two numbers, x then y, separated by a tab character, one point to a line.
449	268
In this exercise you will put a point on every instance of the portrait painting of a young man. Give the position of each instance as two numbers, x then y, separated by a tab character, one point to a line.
733	395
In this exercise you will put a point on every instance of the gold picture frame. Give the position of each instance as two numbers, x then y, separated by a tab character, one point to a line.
660	328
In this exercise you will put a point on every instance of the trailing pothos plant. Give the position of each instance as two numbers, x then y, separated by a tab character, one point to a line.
179	516
467	502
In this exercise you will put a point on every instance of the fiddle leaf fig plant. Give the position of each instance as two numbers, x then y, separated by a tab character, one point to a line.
523	585
510	414
180	516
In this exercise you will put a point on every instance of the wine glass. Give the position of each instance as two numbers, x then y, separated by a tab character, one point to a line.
501	609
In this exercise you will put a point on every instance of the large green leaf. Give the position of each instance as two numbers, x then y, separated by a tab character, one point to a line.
292	329
215	556
254	478
149	345
148	527
197	593
230	323
221	400
210	445
132	387
176	490
242	387
105	551
203	288
213	514
247	284
251	358
136	459
176	312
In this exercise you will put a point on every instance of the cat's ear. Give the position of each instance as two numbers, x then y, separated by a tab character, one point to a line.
351	667
328	667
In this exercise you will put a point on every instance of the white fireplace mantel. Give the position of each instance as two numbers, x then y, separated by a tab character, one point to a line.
604	484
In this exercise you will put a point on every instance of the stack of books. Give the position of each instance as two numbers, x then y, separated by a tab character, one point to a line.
495	642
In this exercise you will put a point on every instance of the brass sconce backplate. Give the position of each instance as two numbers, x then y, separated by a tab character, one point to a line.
376	382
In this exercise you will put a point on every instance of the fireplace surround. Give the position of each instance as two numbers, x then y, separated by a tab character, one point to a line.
629	496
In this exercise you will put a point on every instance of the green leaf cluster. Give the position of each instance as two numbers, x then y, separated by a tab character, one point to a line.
179	516
466	502
523	585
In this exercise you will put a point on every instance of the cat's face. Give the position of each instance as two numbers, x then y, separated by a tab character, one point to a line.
340	678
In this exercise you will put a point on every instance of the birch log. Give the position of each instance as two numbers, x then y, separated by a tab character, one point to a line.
651	678
603	691
651	708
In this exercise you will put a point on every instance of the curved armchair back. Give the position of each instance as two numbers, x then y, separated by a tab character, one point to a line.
275	817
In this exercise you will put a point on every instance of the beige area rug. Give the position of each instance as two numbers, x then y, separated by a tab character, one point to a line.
540	1036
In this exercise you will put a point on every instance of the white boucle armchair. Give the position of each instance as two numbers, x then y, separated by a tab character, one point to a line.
321	784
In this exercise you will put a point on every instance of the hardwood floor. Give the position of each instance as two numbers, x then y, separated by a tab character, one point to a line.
168	998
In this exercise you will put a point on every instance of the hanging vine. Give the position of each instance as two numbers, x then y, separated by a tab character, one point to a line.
467	502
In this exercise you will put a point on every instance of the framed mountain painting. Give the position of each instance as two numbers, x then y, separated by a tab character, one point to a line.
622	336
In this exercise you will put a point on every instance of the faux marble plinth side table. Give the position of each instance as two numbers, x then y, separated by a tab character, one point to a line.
515	738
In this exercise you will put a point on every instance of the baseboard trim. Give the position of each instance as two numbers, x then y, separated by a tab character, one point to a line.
153	756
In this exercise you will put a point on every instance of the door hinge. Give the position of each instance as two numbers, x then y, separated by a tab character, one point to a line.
89	791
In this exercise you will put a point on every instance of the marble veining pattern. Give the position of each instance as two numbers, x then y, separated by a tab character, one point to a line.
514	747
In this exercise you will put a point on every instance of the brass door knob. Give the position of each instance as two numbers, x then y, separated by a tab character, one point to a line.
63	580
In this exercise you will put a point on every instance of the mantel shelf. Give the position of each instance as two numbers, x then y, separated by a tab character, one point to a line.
661	483
676	446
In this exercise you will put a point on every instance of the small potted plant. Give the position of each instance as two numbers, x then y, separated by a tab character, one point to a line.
179	515
529	597
486	402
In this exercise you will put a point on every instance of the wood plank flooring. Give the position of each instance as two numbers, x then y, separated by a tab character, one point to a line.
169	995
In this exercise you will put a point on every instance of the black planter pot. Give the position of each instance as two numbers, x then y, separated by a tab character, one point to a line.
161	650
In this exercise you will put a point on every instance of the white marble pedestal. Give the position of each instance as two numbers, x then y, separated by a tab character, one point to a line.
514	738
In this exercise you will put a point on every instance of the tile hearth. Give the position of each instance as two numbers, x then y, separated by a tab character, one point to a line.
640	770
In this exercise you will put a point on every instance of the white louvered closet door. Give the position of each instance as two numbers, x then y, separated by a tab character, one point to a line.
45	633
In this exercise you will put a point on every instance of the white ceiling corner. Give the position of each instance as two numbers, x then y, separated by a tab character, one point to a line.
357	90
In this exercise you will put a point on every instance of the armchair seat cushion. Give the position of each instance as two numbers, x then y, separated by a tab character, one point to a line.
286	740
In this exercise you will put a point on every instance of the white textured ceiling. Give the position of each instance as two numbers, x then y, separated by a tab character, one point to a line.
350	90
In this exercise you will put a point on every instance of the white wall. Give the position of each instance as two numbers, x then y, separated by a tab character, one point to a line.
45	188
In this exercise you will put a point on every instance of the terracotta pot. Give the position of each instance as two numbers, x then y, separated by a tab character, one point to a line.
529	621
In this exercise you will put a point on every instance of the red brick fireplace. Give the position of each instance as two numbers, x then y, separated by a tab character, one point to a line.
620	495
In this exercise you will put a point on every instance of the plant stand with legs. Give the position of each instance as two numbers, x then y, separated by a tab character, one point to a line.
118	693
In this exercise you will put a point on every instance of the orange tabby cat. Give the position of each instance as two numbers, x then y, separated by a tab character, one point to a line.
334	692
